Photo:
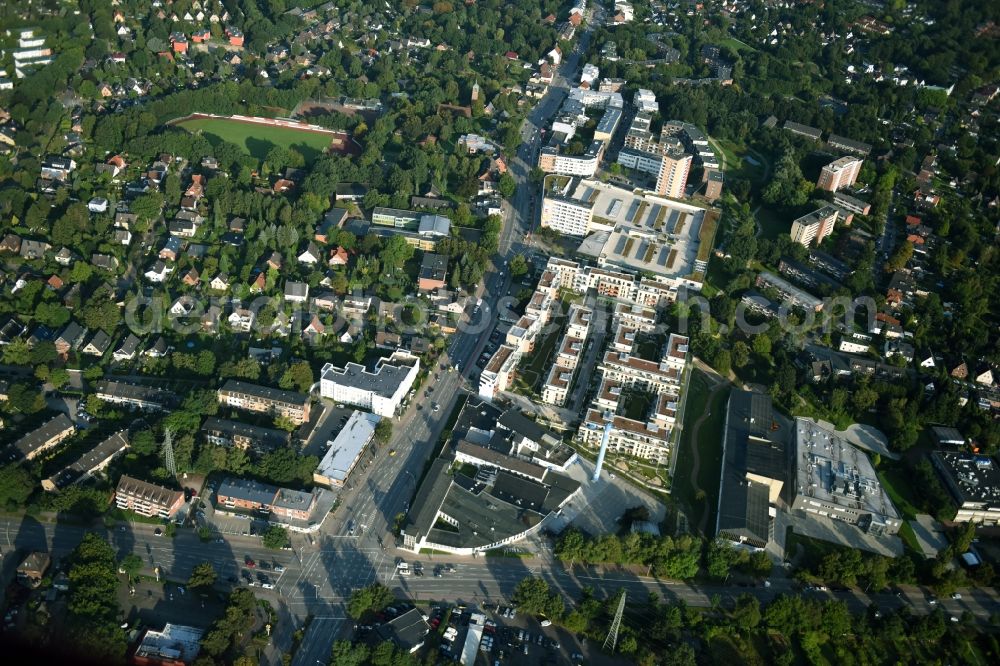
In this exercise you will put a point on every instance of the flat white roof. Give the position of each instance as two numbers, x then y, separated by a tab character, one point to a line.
347	445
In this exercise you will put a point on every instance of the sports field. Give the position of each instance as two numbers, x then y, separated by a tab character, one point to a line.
257	139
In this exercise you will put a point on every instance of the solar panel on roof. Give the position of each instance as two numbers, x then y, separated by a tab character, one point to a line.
653	212
632	210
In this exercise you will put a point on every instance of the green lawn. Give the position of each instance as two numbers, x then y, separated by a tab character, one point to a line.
895	483
709	445
738	167
736	44
772	223
257	140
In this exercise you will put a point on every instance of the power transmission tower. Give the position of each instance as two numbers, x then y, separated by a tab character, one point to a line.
612	638
168	452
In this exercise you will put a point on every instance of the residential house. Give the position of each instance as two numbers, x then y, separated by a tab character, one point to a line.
122	236
158	349
241	320
171	248
158	272
127	349
33	249
70	338
274	261
210	320
338	257
310	255
258	283
296	292
105	261
64	257
191	278
220	282
11	243
97	345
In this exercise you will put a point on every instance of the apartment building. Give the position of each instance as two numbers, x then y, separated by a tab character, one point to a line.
671	179
634	316
522	334
838	174
134	395
259	440
147	499
89	464
552	160
381	391
646	440
499	371
633	371
788	292
814	226
558	382
265	400
652	294
571	217
557	385
40	440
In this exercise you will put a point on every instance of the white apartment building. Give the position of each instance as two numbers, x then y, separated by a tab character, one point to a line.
635	316
499	372
557	385
580	319
381	391
523	333
645	101
589	74
567	216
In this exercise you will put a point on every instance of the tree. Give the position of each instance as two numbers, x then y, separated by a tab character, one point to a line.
373	598
297	376
346	653
25	398
531	594
762	345
203	575
507	186
93	603
383	431
275	537
130	565
746	614
518	266
16	485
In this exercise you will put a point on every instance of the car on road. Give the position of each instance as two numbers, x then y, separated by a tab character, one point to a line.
220	540
956	596
267	586
392	452
437	407
158	532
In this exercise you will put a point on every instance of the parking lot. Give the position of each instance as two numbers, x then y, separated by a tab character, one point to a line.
154	604
508	637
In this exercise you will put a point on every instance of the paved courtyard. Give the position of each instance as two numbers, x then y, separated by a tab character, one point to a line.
843	534
601	503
